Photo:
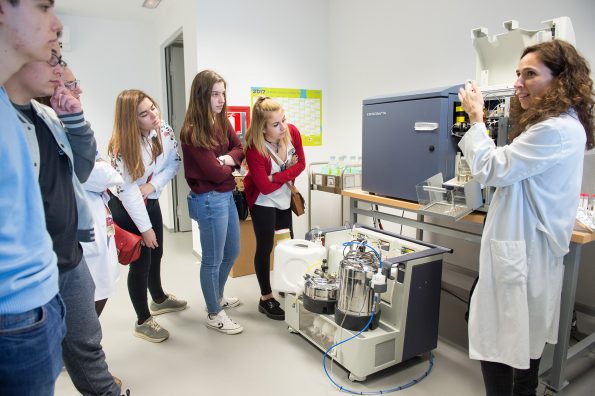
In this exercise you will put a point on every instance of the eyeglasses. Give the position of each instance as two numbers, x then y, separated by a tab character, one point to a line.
56	60
72	85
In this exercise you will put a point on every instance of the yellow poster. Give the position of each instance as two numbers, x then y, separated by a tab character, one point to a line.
303	108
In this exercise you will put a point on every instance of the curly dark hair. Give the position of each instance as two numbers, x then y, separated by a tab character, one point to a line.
571	87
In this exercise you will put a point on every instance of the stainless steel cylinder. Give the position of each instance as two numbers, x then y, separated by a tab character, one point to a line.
321	289
355	294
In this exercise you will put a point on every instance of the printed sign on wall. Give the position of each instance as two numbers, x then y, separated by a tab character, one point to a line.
239	117
303	108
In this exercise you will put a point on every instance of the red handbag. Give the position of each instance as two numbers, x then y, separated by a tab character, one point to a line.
128	245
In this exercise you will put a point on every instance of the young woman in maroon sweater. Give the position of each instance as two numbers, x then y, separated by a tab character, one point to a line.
211	152
275	157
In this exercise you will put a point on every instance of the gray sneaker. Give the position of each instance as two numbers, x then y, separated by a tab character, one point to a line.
171	304
150	331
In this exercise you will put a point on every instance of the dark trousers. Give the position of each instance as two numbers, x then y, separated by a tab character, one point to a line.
265	221
503	380
146	271
82	352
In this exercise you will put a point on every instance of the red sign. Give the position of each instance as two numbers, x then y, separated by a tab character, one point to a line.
239	117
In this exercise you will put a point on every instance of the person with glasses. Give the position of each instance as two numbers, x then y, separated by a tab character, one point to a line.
31	311
275	157
101	255
212	151
56	60
62	147
71	83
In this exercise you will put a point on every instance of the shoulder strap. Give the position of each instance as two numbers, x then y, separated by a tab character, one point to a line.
274	155
278	161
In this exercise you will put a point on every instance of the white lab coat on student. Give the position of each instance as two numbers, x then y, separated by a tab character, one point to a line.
101	255
516	305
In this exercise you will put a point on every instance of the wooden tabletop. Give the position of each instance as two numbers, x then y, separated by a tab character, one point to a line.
579	237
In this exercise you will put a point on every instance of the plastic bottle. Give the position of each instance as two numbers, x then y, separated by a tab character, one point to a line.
352	164
341	165
584	201
332	165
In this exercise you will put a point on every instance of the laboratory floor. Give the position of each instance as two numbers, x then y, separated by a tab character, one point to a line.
265	359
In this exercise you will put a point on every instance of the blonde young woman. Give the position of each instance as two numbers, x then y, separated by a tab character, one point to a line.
212	151
275	157
143	149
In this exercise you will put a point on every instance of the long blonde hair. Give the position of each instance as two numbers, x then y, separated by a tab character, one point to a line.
261	110
125	140
198	129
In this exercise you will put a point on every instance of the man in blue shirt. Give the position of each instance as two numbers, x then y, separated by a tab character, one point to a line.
31	312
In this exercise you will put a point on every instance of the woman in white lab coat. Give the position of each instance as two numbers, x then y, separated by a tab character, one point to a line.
101	255
515	307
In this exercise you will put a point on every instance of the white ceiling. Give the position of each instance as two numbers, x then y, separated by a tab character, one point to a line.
118	9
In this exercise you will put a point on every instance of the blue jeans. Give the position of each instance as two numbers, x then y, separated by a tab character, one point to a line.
219	226
30	350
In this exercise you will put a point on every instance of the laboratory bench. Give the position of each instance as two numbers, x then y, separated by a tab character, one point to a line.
555	357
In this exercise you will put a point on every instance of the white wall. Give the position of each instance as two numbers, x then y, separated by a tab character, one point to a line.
108	56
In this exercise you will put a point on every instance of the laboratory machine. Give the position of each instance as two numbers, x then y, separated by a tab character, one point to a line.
348	279
409	140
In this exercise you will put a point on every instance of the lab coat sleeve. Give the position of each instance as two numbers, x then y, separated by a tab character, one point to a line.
171	159
131	197
102	177
537	149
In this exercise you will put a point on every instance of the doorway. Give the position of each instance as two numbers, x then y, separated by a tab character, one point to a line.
176	111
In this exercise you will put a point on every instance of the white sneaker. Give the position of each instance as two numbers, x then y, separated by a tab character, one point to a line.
223	323
229	302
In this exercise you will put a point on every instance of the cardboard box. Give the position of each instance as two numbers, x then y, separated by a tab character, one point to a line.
244	264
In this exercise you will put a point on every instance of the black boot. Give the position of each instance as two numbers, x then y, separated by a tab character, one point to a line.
271	308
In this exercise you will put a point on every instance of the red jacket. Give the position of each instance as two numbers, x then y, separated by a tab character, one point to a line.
204	172
257	181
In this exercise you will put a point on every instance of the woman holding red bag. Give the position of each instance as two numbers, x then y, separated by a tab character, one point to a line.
144	150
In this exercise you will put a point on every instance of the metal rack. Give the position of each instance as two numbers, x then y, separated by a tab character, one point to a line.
333	184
